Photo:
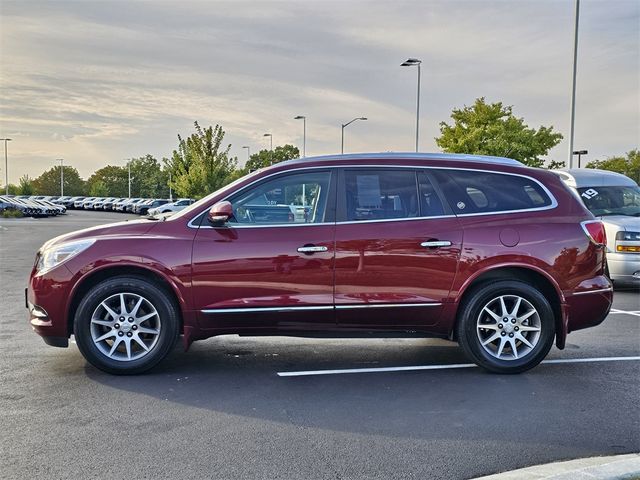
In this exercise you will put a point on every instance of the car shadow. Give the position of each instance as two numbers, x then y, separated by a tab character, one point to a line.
238	376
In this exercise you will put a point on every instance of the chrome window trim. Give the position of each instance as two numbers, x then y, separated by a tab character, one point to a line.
554	202
315	307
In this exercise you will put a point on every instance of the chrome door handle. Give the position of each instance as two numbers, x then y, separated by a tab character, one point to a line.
436	243
312	249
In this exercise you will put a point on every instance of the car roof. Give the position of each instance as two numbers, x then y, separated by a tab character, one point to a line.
412	156
592	177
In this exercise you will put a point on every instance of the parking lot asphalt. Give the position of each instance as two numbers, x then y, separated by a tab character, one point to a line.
222	411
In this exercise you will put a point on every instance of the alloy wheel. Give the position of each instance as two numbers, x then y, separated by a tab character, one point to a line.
508	327
125	326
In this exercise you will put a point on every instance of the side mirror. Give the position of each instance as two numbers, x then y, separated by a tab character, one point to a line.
220	213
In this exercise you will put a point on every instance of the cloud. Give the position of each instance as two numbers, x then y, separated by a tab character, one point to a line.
97	82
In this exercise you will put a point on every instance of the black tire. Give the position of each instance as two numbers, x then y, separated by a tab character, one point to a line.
473	306
168	317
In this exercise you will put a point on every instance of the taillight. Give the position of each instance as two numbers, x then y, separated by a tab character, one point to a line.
595	231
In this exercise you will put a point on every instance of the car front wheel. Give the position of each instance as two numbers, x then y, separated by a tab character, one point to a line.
126	325
506	326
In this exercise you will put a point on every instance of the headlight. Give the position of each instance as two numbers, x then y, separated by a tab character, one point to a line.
627	242
53	256
628	236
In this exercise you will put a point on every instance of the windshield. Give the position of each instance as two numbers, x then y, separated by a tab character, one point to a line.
197	206
602	201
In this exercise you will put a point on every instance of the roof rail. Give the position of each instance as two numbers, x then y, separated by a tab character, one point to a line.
459	157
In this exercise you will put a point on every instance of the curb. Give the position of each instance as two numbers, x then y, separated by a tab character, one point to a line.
616	467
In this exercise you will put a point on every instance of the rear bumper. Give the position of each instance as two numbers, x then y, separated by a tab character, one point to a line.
589	304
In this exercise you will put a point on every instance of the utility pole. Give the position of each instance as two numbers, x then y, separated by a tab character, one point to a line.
580	153
129	165
410	63
6	166
572	113
61	160
343	127
271	147
304	133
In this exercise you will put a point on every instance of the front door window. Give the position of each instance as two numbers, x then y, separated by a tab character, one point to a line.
290	199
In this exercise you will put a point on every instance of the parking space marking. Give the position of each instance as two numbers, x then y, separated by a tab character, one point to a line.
443	367
627	312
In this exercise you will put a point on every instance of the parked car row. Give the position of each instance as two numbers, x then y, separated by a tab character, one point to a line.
43	205
31	206
141	206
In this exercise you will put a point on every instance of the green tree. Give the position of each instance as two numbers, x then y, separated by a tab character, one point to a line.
264	158
111	180
98	189
49	182
26	186
201	165
629	165
555	164
148	179
13	189
492	129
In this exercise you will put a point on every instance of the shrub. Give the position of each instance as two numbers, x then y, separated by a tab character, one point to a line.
11	213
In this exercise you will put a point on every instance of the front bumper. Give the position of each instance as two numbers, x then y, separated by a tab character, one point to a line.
624	268
46	300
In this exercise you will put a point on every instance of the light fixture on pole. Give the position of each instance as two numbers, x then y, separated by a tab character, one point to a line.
304	133
6	165
248	152
270	147
580	153
410	63
572	111
345	125
61	160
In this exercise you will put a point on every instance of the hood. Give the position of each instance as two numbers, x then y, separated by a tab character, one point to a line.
623	222
126	228
616	223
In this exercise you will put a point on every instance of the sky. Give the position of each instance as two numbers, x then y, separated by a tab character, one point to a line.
98	82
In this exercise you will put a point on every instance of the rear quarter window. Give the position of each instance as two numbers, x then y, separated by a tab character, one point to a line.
472	191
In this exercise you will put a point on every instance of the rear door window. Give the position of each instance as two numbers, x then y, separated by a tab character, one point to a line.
473	191
380	194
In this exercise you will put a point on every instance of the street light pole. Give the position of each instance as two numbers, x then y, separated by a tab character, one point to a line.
304	133
129	167
271	147
61	160
409	63
572	113
248	152
580	153
346	125
170	193
6	165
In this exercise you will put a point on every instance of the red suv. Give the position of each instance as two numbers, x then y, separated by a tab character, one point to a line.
485	251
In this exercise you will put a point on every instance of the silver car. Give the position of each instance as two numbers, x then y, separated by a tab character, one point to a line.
615	199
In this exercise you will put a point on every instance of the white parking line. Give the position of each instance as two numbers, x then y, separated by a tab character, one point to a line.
443	367
634	312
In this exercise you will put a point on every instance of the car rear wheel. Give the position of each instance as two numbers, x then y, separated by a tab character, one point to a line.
126	325
506	326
